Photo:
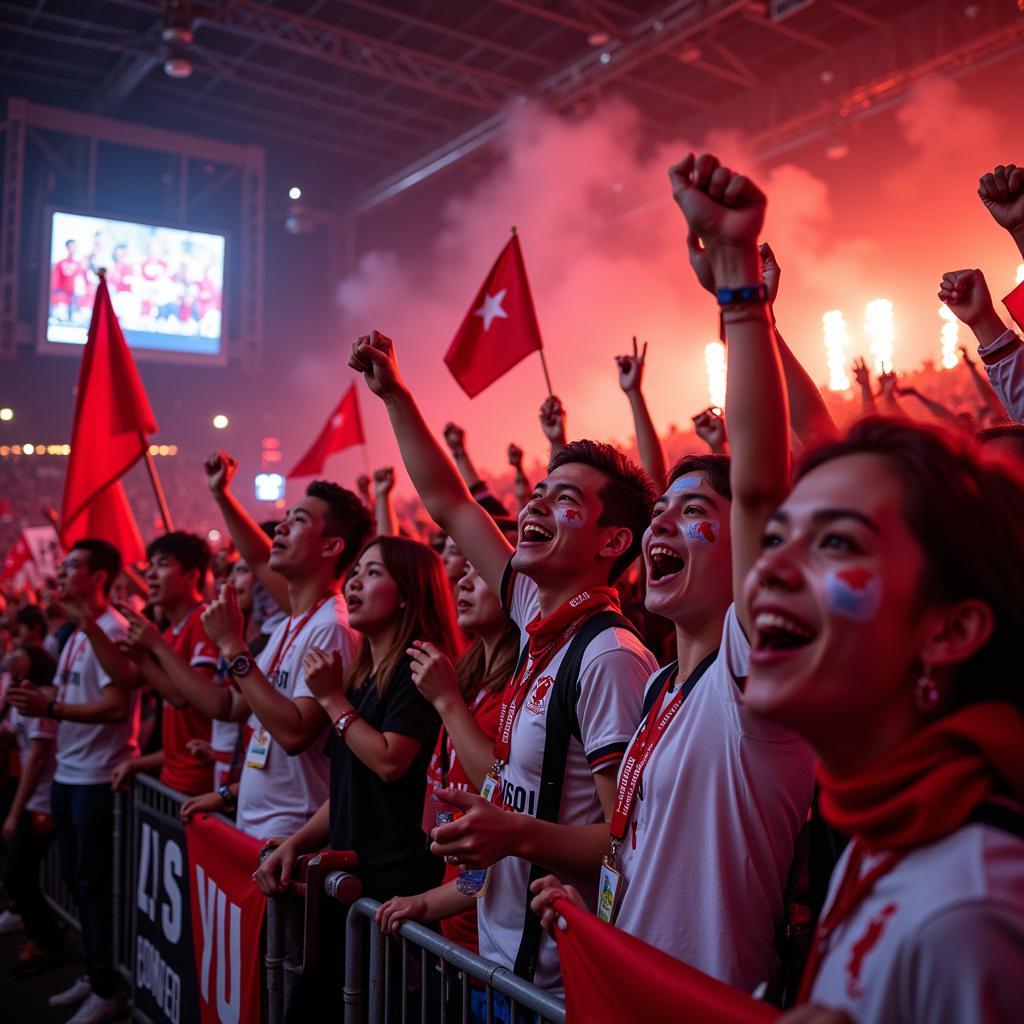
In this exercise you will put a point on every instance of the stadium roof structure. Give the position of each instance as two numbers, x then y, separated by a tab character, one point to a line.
392	91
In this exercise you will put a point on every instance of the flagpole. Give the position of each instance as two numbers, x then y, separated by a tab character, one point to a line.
543	361
158	491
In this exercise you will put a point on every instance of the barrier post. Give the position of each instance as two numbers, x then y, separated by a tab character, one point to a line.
273	959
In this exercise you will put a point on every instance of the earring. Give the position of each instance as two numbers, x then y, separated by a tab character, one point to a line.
926	693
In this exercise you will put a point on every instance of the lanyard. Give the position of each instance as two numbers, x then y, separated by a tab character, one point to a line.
849	895
516	690
74	652
647	738
284	645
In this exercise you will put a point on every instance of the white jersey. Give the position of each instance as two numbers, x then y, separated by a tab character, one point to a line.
25	731
613	671
738	789
88	752
939	939
279	798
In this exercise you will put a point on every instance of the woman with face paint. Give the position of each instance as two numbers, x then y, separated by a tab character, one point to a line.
888	607
710	798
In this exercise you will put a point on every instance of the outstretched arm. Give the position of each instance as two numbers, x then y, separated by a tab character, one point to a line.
987	394
455	438
521	484
443	491
552	423
725	211
652	456
384	506
937	409
862	375
252	543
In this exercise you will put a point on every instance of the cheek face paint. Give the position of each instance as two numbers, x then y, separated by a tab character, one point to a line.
691	482
574	517
703	532
853	593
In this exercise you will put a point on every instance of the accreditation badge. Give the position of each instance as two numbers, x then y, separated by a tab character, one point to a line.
259	749
490	786
608	892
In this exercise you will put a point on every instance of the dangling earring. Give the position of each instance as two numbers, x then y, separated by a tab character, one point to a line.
926	693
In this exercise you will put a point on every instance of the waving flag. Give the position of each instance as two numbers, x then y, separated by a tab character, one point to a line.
343	429
500	328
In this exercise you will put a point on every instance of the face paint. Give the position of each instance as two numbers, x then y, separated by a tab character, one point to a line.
853	593
704	532
574	517
690	482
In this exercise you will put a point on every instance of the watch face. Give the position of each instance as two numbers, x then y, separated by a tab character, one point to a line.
241	666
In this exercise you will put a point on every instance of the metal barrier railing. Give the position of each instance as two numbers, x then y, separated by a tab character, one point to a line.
55	890
443	983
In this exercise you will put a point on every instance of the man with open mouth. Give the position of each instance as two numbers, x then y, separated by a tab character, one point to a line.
574	698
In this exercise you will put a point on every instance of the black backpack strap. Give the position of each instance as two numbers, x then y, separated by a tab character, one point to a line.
561	726
999	815
654	688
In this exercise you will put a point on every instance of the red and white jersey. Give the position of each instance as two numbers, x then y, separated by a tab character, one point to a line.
614	669
938	939
153	269
66	275
121	277
182	771
738	788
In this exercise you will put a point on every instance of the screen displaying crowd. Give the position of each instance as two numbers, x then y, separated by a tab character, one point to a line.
166	284
755	702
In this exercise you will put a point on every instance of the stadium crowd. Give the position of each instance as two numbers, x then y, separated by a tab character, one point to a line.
751	699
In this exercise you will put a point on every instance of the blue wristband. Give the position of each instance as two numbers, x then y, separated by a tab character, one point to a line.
746	293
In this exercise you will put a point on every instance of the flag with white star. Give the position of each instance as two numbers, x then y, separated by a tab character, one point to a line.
500	328
343	429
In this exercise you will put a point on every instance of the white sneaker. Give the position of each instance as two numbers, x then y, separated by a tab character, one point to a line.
72	996
11	922
95	1010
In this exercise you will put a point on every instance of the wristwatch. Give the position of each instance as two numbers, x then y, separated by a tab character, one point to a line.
224	792
345	719
241	664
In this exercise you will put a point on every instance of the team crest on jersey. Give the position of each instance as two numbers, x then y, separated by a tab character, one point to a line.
539	694
860	949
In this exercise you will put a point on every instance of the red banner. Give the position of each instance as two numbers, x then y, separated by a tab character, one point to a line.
227	919
611	977
1014	302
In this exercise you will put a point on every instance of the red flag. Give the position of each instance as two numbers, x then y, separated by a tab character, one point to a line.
1014	302
112	419
610	977
18	556
343	429
500	328
227	918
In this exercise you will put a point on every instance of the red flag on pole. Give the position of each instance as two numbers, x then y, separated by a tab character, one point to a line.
343	429
500	328
112	419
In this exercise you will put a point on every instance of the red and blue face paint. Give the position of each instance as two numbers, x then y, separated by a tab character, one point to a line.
574	517
853	593
704	532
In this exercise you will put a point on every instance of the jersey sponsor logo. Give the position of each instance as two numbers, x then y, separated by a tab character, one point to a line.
535	702
860	949
579	599
279	679
518	798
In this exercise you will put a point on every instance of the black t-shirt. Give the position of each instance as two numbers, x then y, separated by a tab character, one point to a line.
381	820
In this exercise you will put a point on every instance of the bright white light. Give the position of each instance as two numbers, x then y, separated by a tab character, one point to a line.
269	487
714	361
1020	278
28	449
213	536
7	414
837	340
605	57
220	421
295	192
949	338
879	327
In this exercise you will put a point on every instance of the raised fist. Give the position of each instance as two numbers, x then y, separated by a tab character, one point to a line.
967	295
552	420
220	468
1002	192
720	206
710	427
455	438
515	457
383	481
373	355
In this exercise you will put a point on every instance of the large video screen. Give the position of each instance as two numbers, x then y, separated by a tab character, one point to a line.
166	284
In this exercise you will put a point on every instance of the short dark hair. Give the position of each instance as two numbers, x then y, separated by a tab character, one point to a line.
41	667
1012	432
713	467
627	497
190	552
31	617
347	517
947	483
101	554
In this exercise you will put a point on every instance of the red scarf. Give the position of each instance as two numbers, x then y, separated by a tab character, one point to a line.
927	787
545	631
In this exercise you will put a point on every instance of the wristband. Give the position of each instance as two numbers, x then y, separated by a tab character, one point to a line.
344	720
745	293
224	792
